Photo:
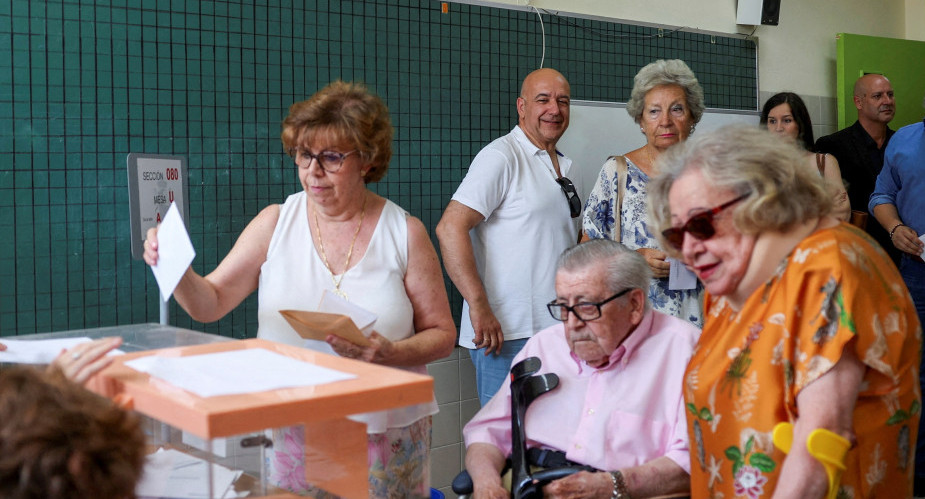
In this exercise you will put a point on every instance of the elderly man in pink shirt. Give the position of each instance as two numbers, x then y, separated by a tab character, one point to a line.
619	406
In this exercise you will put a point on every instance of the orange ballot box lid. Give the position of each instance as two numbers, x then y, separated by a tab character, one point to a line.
373	388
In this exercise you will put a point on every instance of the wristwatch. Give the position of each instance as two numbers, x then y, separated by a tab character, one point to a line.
619	486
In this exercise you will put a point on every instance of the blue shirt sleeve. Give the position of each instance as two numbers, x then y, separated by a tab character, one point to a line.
888	182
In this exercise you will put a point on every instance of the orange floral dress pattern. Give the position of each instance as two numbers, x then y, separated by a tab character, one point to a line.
749	366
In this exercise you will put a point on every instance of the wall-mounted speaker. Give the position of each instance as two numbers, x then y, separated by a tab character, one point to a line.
770	12
756	12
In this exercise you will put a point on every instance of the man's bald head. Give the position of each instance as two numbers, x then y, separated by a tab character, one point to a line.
543	107
873	98
541	75
863	84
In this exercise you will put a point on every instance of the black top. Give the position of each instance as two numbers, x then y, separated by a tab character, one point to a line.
860	162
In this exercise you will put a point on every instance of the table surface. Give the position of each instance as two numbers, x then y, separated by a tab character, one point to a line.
375	387
136	337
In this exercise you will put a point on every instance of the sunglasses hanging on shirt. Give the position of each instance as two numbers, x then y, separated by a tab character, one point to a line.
571	195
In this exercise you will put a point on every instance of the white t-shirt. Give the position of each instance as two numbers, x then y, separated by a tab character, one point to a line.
527	225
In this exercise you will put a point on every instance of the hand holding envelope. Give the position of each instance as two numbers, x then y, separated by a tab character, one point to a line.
338	335
335	316
318	325
175	252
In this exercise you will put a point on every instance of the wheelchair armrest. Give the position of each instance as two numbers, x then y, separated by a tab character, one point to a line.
534	487
545	476
462	484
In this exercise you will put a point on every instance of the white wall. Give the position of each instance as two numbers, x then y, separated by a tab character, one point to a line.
915	20
798	55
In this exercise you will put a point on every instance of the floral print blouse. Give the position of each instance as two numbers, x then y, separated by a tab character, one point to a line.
598	223
749	366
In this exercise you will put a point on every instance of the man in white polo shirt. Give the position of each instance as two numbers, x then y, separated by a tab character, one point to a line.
510	218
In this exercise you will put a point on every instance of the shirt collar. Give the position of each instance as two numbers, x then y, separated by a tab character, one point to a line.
626	349
861	134
528	145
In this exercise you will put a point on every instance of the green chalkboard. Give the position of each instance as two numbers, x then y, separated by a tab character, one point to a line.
83	84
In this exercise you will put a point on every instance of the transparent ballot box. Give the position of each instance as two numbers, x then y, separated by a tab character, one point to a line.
218	445
182	465
195	420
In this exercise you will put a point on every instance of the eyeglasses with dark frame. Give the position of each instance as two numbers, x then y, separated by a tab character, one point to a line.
571	195
584	311
329	161
699	225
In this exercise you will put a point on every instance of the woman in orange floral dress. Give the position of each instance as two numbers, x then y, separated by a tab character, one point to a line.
807	322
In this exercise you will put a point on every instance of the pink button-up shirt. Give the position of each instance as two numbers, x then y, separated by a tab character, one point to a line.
624	414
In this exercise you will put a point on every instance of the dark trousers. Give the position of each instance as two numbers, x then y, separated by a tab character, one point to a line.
913	273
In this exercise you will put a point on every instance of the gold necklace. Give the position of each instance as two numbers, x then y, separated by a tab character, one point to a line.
324	257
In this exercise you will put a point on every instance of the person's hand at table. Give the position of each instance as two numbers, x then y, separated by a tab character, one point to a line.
379	351
80	362
2	347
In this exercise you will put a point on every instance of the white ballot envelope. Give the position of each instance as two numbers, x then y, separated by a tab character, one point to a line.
175	252
333	304
679	276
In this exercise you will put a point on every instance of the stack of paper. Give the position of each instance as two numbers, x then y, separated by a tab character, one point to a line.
171	473
235	372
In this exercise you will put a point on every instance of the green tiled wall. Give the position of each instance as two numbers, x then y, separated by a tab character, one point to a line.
82	84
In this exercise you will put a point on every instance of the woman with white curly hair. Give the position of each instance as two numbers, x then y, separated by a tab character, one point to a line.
810	332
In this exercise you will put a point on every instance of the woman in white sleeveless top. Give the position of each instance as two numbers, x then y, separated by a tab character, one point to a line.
340	237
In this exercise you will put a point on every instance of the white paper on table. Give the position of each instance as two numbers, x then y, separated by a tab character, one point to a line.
333	304
236	372
679	276
171	473
175	252
40	351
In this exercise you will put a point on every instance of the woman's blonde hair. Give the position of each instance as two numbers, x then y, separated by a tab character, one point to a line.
665	72
783	188
350	112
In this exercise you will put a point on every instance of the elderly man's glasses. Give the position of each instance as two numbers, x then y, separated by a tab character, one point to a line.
699	225
571	195
330	161
584	311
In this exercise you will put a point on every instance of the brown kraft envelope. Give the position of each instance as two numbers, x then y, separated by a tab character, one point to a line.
318	325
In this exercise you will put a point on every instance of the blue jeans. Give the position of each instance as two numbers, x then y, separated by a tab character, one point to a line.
491	370
913	273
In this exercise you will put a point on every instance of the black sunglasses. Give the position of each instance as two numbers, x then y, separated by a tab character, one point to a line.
571	195
584	311
699	225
